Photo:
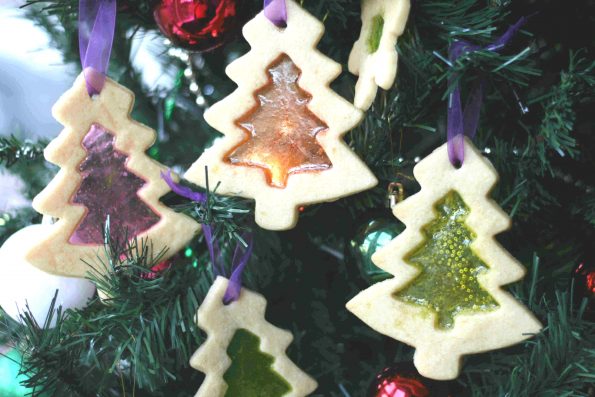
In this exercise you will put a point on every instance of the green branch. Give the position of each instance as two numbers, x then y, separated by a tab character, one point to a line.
13	150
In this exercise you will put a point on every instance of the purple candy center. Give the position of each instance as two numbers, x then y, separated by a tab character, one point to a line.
109	188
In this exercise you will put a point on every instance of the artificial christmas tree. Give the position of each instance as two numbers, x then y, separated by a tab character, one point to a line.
534	118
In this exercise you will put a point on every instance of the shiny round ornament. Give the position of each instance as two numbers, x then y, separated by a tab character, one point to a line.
157	270
10	380
23	284
375	233
584	287
403	380
198	25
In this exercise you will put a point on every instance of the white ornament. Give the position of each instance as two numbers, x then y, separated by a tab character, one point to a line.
12	188
23	284
374	56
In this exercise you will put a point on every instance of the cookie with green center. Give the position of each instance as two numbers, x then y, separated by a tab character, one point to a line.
244	355
374	55
446	297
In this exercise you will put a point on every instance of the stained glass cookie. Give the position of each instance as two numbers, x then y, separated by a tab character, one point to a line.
104	174
445	298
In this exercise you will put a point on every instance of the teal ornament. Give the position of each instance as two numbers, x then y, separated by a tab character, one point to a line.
376	232
10	379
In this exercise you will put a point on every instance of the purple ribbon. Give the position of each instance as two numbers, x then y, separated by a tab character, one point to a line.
97	24
241	255
464	123
276	12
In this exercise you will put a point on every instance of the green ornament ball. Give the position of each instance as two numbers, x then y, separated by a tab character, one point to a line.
377	231
10	379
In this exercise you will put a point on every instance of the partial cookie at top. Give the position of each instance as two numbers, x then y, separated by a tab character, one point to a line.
374	55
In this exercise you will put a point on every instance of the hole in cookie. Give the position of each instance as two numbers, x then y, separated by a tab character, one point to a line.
376	33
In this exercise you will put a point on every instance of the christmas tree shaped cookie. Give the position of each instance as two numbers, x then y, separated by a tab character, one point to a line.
104	173
244	355
374	55
283	125
446	298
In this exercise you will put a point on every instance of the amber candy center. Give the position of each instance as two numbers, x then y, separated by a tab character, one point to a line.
281	130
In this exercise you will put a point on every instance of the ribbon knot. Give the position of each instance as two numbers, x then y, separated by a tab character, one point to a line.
97	24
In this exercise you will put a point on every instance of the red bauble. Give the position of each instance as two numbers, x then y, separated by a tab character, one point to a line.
402	380
584	287
157	270
198	25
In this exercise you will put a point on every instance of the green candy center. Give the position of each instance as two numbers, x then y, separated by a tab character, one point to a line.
448	283
376	33
251	373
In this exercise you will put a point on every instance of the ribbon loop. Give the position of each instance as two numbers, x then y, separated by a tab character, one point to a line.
276	12
464	123
241	255
97	24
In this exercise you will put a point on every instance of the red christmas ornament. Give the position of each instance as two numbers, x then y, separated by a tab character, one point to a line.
157	269
198	25
402	380
584	287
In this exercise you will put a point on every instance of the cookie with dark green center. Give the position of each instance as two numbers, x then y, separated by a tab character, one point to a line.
446	297
244	355
374	55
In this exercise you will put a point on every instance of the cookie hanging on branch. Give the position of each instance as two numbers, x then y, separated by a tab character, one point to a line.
283	125
244	355
374	55
105	173
446	298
